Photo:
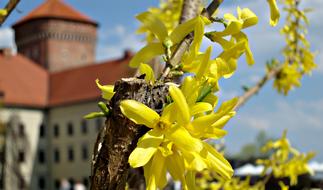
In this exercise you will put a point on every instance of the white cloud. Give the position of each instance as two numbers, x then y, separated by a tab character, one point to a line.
7	37
116	41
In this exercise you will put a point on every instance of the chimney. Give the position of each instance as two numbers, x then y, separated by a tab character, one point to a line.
127	54
7	52
1	98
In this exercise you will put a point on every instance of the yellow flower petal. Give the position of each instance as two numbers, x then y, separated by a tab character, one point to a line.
147	70
139	113
190	90
3	12
234	26
176	167
197	41
190	178
249	18
153	24
182	30
146	148
217	162
211	99
201	107
181	104
241	37
107	90
146	54
205	65
274	12
157	173
182	139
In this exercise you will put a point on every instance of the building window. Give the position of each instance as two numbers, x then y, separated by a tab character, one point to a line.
41	156
86	181
41	182
56	155
98	124
70	154
84	126
21	156
85	152
21	130
57	184
56	130
70	129
21	183
42	131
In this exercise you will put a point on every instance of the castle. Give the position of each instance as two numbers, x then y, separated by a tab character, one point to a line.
46	89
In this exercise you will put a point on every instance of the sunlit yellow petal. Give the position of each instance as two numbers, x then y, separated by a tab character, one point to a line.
249	18
152	23
139	113
181	104
189	89
147	70
147	53
182	30
211	99
176	167
194	161
201	107
183	140
241	37
146	148
217	162
233	27
197	41
274	12
157	173
205	65
190	178
107	90
3	12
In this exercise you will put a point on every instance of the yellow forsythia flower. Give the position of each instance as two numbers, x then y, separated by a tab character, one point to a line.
274	12
107	90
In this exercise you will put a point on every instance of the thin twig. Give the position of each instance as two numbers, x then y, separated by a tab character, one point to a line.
185	44
9	7
255	89
273	72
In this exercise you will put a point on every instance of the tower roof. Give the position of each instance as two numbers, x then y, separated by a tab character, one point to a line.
56	9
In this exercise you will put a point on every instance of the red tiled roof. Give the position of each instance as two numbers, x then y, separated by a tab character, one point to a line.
78	84
26	84
22	81
56	9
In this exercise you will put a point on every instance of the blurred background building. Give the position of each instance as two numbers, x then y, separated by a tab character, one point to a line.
46	88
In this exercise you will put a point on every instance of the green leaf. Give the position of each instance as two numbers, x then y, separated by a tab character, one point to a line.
94	115
104	108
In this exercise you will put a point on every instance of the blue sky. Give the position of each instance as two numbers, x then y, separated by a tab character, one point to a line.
301	112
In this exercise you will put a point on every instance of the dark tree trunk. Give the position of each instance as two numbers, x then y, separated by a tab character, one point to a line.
119	137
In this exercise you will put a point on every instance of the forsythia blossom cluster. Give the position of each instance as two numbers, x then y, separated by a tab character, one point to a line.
283	161
299	60
176	142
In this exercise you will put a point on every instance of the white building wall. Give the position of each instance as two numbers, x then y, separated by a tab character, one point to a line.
31	120
78	169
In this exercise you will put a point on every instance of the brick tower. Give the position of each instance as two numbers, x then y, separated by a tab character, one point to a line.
56	36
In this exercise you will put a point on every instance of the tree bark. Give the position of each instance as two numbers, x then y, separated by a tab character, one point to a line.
120	135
